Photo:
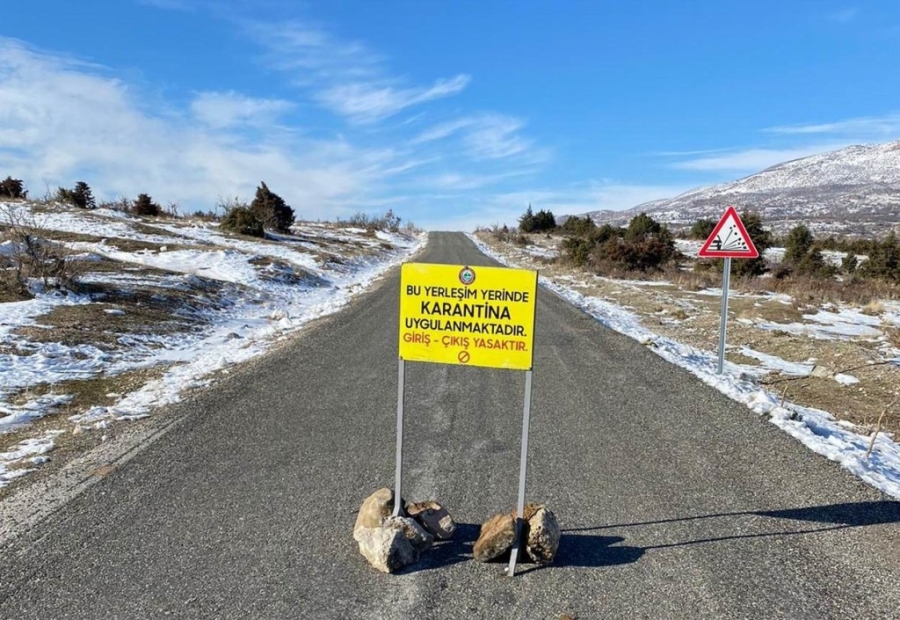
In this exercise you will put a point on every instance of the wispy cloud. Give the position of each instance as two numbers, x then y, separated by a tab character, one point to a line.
368	102
753	160
488	136
311	55
346	77
865	127
229	109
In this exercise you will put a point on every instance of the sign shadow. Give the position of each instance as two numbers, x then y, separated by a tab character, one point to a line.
831	516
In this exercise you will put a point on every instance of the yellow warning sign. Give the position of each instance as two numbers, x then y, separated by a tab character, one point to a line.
474	316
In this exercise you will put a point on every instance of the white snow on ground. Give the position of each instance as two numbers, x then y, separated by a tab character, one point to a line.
773	362
256	304
815	428
831	325
691	247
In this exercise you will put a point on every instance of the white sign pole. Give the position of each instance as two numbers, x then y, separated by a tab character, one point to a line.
398	472
726	283
523	468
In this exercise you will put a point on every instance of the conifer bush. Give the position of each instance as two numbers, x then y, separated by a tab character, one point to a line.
243	221
145	206
12	188
272	209
79	196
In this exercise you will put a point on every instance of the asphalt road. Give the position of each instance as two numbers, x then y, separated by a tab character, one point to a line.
675	502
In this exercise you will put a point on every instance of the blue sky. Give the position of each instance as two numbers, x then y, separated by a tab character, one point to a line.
454	114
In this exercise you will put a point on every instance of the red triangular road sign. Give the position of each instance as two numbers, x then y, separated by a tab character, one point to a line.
729	239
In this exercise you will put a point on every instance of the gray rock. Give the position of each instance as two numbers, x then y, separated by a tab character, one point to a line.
374	510
397	542
434	518
821	371
541	533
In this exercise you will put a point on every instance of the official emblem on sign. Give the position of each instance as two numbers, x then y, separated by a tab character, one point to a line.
729	239
467	276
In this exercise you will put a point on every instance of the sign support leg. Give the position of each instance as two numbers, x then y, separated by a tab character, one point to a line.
398	472
726	282
523	466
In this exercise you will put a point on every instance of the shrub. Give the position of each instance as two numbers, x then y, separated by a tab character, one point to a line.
849	263
33	255
884	260
578	226
79	196
645	245
271	209
798	244
640	227
144	205
761	238
702	229
243	221
541	221
12	188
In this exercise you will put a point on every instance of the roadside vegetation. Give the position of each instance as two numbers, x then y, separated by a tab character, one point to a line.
102	299
829	304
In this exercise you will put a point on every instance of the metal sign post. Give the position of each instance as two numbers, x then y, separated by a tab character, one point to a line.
468	316
729	239
523	467
398	471
726	282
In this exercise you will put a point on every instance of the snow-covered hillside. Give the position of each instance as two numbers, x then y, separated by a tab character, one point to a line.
158	307
852	190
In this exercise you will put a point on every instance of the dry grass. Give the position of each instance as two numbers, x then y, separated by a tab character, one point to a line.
104	390
680	313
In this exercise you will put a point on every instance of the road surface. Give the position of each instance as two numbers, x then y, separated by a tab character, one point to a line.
675	502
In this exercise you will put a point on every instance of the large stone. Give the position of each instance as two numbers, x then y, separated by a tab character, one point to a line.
541	534
434	518
496	537
397	542
374	510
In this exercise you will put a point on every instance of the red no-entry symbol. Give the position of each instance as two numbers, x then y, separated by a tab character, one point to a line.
464	357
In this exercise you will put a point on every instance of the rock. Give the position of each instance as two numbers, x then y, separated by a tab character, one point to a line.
821	371
496	537
541	533
397	542
433	518
374	510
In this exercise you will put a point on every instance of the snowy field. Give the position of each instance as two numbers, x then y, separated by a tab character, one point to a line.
225	299
819	430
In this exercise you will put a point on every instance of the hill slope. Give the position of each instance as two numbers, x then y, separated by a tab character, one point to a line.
853	190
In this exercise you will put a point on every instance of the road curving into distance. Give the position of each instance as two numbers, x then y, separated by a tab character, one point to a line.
674	501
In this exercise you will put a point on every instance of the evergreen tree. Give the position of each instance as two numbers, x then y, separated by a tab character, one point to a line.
12	188
798	245
884	260
702	229
761	238
544	221
641	226
80	196
526	222
144	205
849	263
271	209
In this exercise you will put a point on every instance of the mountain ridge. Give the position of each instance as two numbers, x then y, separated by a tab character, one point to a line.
854	190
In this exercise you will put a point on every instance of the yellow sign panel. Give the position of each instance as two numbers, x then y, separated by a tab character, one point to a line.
475	316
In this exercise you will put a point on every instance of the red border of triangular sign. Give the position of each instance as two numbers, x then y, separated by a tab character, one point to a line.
750	252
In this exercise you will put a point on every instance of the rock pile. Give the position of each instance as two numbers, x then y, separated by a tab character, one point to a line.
540	535
389	543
